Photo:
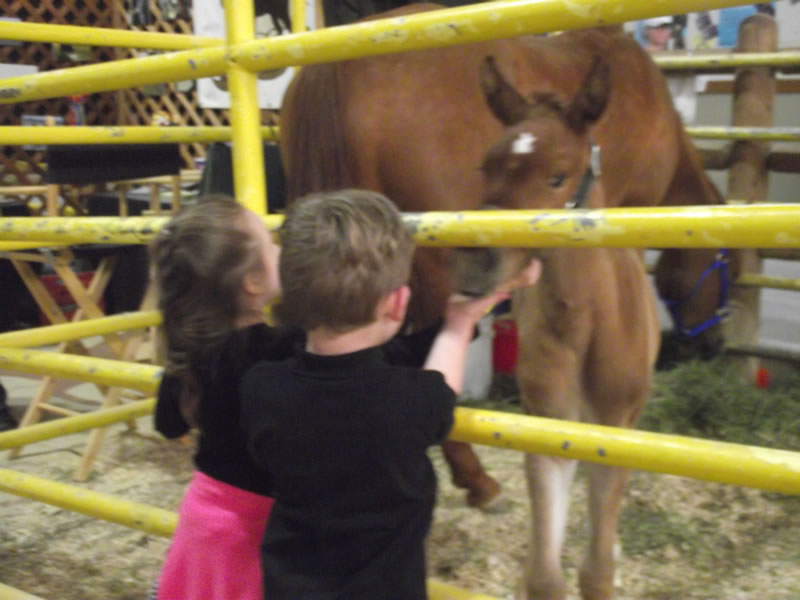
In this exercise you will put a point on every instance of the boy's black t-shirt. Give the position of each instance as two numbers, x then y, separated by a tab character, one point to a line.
345	439
222	446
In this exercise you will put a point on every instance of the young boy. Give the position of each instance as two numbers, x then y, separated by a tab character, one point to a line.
344	434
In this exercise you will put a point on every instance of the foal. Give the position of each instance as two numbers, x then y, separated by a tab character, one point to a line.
588	332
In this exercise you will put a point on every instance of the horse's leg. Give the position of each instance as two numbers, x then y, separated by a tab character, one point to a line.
468	474
618	376
619	406
617	401
549	389
606	492
549	480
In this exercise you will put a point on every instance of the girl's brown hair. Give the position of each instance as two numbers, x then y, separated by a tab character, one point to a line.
200	259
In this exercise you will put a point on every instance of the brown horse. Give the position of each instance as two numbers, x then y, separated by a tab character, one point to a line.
416	127
588	331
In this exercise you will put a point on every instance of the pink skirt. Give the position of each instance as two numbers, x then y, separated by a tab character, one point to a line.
214	553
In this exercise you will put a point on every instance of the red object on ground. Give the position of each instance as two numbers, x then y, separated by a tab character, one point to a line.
762	378
505	346
61	294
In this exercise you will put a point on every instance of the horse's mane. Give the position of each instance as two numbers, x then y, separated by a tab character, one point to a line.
316	151
691	172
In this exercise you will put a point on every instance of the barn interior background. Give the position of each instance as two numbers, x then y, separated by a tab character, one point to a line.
178	101
127	465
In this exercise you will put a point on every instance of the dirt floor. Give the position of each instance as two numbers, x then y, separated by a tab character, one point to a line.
681	539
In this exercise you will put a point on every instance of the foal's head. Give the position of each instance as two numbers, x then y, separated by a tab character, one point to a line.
544	160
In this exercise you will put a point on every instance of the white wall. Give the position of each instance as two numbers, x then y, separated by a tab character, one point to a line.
715	109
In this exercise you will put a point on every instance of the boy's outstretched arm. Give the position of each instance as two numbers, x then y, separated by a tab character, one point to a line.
449	351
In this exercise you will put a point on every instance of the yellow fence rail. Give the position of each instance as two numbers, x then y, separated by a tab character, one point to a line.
104	371
767	134
730	226
150	519
726	61
9	593
61	427
56	135
747	466
766	281
17	246
442	591
65	332
448	27
100	36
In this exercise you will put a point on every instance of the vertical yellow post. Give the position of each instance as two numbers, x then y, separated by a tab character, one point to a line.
298	12
248	151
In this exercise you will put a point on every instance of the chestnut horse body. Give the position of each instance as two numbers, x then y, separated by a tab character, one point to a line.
416	126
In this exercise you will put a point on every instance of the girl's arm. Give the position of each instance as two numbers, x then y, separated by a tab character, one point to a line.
167	418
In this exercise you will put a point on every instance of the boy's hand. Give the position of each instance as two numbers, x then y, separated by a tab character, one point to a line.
528	276
448	353
464	311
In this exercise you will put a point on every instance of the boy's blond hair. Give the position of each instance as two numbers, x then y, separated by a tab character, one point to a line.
341	253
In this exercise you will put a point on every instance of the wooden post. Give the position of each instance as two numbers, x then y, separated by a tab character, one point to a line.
753	101
51	197
176	194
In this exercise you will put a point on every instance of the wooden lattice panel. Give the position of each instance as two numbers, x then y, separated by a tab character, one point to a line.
127	107
19	166
138	106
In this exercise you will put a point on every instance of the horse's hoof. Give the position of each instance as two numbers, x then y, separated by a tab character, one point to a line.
493	501
500	504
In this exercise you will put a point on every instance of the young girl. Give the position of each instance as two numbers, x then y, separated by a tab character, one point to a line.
216	270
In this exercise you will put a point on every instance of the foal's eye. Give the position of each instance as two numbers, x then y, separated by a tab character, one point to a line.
556	181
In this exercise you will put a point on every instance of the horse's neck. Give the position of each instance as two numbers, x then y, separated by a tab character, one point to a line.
560	62
566	271
691	185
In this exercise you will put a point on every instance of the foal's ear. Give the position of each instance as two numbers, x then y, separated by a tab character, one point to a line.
591	99
506	103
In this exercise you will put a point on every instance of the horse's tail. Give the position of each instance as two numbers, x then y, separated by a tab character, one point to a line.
313	146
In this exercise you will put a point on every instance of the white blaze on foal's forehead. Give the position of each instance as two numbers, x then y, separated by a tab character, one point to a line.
524	143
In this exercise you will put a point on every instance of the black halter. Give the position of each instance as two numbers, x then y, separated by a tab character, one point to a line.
581	196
